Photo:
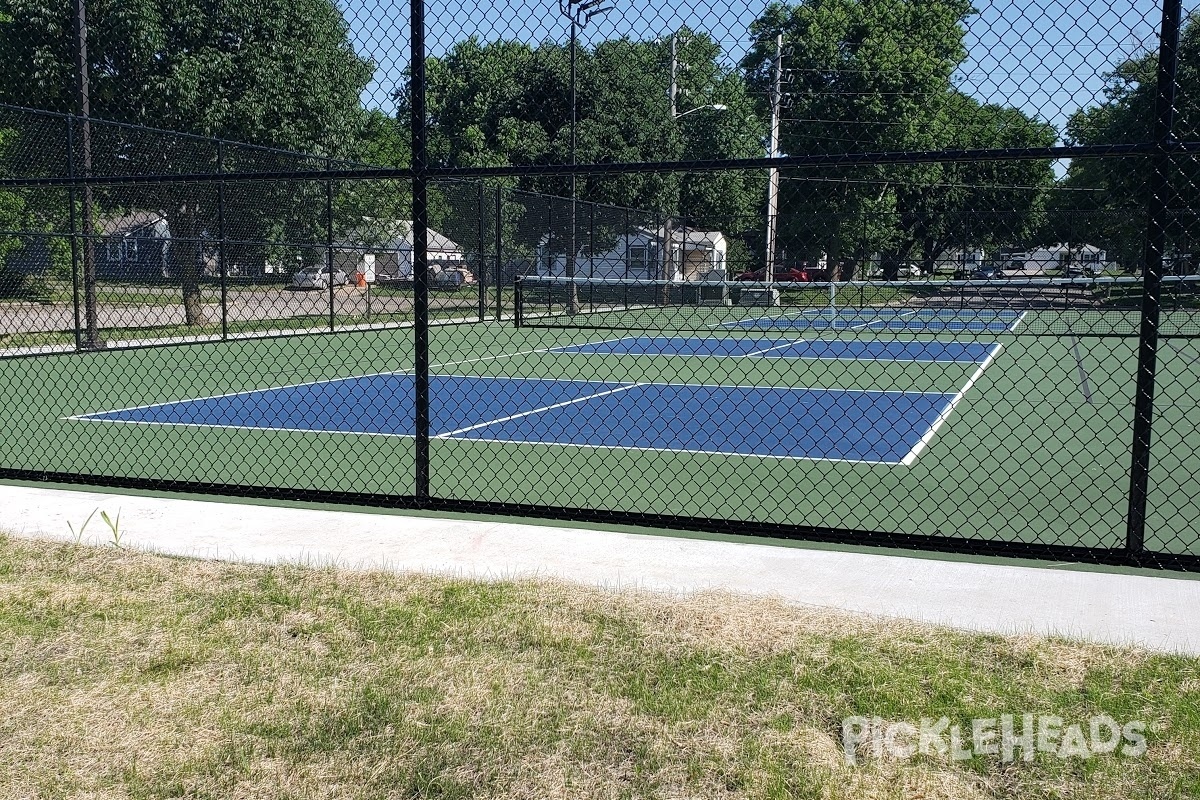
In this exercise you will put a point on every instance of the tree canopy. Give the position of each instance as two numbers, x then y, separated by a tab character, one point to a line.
1106	206
501	103
274	72
875	77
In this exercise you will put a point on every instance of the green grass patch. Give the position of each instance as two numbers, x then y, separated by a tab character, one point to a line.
130	675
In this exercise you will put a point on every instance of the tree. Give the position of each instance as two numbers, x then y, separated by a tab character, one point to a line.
976	203
875	76
1106	198
29	220
12	212
504	103
273	72
382	142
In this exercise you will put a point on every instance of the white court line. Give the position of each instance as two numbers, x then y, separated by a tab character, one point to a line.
769	349
226	427
1013	328
690	451
511	417
945	413
509	355
744	323
90	414
880	319
664	354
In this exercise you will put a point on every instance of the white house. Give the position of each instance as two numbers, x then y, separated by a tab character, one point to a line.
694	255
1058	259
959	260
382	249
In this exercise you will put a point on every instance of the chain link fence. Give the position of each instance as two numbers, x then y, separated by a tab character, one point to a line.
908	274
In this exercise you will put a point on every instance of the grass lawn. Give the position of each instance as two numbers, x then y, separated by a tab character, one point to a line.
131	675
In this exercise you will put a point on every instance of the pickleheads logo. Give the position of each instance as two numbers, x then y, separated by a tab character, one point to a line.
1007	736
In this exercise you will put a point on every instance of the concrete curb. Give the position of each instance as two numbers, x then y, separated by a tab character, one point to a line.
1151	611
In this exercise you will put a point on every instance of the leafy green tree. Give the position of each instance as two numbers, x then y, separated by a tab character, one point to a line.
509	103
29	219
1106	198
366	209
281	73
984	204
876	77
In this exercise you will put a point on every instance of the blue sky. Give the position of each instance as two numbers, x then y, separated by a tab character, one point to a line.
1046	57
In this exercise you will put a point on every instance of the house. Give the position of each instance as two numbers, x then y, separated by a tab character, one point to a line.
382	250
694	255
1057	259
959	261
133	246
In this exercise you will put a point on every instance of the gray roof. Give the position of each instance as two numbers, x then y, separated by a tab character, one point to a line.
120	224
394	234
686	235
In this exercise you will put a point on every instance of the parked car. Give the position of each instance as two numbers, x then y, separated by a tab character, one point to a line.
785	275
987	272
1089	270
450	277
318	278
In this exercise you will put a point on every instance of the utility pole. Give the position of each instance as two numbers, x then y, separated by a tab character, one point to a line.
673	91
91	338
773	173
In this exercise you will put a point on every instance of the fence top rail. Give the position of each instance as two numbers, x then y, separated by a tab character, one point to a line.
850	159
197	137
916	283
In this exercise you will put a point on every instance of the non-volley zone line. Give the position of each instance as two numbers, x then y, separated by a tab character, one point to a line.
921	320
823	349
863	426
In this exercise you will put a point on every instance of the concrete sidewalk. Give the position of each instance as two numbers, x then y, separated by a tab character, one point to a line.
1153	611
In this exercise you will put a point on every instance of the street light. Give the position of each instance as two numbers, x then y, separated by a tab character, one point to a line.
710	106
580	13
668	233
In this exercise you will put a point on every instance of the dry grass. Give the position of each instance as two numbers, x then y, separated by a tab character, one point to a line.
130	675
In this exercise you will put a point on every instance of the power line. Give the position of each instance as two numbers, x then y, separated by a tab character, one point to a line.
882	182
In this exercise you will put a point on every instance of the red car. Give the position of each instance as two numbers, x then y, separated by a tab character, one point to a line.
782	275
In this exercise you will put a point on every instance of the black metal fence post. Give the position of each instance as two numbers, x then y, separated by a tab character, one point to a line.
329	245
482	239
499	247
591	254
91	340
625	288
420	250
222	263
518	301
74	233
1156	239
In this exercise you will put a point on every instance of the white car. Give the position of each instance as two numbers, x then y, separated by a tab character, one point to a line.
318	278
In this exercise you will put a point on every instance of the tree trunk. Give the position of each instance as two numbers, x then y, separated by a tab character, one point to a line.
889	262
892	260
185	257
833	260
929	254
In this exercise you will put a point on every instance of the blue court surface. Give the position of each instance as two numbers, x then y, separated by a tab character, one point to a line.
922	320
886	427
830	349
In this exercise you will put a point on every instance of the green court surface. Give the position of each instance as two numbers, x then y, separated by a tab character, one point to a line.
1035	447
